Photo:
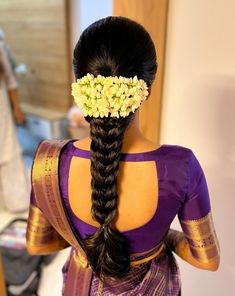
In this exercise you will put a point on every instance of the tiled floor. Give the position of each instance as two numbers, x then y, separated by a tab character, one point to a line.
51	279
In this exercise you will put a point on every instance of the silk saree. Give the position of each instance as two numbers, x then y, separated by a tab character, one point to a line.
153	272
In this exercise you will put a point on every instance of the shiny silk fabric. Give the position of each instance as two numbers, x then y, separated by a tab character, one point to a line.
47	207
182	191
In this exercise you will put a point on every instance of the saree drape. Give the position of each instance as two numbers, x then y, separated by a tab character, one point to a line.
154	272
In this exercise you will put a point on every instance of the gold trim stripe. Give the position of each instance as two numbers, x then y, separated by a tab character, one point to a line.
100	288
46	189
82	261
207	255
48	198
200	227
146	259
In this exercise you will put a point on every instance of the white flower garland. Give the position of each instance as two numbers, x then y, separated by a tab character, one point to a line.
109	96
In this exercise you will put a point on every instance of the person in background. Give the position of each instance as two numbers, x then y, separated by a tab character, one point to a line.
14	183
113	195
78	126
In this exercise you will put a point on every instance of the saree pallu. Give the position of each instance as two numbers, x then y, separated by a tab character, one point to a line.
154	272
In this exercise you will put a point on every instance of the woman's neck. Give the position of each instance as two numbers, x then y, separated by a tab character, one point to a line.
133	141
132	134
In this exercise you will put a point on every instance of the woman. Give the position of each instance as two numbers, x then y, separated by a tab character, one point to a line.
112	196
14	184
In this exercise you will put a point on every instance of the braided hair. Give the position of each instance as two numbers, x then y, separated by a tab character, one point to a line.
113	46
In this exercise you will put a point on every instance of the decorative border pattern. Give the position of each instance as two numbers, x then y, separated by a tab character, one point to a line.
202	238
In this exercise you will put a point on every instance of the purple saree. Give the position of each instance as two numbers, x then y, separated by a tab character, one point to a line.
182	190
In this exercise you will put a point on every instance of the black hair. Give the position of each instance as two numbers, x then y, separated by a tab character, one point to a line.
113	46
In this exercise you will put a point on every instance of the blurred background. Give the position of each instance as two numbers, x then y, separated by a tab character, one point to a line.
192	101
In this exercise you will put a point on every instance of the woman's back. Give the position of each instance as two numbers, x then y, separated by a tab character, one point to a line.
136	206
151	184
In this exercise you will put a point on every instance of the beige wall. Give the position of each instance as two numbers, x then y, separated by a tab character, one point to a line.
85	12
199	113
152	14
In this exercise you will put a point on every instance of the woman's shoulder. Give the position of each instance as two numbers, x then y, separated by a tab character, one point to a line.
176	152
53	143
177	148
51	147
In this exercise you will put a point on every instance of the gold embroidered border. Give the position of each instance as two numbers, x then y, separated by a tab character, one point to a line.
47	191
202	237
198	227
205	255
100	288
39	231
48	198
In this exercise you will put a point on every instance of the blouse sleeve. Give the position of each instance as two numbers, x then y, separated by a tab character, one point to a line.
7	69
195	215
40	233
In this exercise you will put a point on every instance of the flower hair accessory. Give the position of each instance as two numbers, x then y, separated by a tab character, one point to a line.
109	96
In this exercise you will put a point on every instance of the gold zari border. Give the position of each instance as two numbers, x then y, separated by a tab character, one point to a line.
202	238
39	231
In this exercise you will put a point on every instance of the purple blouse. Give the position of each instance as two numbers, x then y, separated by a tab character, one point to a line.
182	190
